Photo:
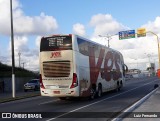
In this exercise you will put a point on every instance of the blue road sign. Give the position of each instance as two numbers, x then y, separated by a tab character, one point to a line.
127	34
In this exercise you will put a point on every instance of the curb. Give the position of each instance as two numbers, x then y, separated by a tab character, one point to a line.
17	98
134	106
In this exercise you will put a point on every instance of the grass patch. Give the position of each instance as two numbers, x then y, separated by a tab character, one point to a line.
3	100
6	71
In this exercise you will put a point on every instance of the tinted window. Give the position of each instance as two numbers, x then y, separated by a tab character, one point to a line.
83	46
56	43
86	47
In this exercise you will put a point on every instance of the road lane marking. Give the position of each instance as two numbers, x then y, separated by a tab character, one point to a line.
48	102
134	106
99	101
134	81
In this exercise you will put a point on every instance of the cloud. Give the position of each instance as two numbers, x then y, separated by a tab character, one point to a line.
105	24
25	25
28	56
20	46
153	26
132	49
21	43
37	25
38	38
79	29
101	24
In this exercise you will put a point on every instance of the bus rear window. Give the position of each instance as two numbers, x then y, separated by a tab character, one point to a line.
55	43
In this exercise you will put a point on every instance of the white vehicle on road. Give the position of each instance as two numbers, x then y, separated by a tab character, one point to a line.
72	66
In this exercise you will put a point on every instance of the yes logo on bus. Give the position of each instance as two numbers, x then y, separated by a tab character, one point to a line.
55	54
106	71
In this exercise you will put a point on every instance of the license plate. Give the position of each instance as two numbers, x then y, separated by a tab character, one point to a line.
56	92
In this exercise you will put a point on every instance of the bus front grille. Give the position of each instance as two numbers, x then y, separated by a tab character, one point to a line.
56	68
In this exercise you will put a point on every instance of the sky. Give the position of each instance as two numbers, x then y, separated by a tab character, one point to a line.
87	18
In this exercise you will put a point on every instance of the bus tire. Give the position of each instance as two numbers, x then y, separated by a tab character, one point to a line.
93	93
99	93
121	85
118	87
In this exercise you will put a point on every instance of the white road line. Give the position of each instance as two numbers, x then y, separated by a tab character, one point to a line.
133	107
97	102
132	81
48	102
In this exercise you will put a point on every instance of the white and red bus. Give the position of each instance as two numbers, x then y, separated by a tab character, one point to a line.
72	66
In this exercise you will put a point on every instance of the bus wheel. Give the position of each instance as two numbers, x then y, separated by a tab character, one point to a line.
99	93
121	85
62	98
117	88
93	93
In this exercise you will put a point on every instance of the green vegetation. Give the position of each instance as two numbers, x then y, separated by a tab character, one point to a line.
3	100
6	71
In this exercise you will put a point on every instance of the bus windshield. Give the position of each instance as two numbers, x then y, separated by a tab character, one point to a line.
56	43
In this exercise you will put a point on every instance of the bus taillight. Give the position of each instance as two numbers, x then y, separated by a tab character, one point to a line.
74	81
41	83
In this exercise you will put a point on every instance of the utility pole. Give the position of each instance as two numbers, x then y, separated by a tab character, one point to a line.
149	56
157	46
12	49
108	38
19	54
136	62
23	64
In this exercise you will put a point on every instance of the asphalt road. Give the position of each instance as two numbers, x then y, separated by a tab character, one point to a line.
101	109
